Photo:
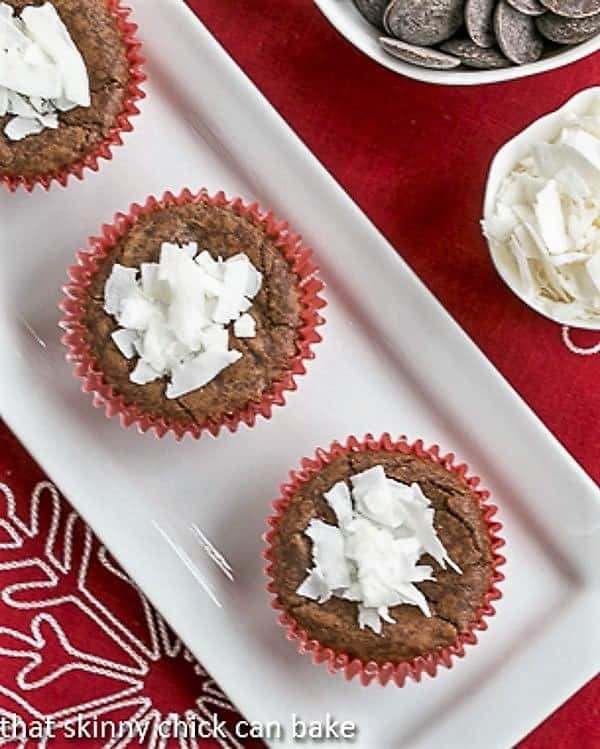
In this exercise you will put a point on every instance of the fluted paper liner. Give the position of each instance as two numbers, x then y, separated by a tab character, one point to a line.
86	366
122	124
396	672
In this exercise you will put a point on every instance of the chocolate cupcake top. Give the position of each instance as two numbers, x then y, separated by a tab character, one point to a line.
221	332
382	555
69	83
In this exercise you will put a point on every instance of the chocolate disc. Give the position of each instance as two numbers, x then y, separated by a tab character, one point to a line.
421	56
424	22
568	30
473	56
517	34
573	8
372	10
386	15
479	20
529	7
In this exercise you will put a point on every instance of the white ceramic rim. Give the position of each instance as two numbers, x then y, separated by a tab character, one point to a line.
367	42
503	162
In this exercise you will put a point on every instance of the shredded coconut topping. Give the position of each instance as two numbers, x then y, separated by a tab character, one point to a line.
174	315
545	230
371	556
42	72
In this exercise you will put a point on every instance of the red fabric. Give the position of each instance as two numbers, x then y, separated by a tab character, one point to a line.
415	158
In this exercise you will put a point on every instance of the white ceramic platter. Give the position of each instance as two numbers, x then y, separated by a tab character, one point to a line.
392	359
343	15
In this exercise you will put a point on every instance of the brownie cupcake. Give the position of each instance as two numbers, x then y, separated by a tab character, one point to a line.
67	89
382	558
192	313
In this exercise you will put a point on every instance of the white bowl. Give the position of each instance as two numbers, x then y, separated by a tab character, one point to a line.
544	129
348	21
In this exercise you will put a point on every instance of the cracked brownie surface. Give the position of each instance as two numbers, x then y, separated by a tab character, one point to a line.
454	599
276	310
97	36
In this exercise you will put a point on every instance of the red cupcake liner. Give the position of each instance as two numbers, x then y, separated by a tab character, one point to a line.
86	367
102	150
399	671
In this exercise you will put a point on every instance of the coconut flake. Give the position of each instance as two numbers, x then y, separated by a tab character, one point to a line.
521	247
328	554
21	127
550	158
20	106
254	282
199	371
315	587
143	373
374	499
137	313
236	279
213	267
17	75
215	338
125	341
156	344
372	555
501	224
572	183
569	257
44	26
420	522
190	249
340	501
121	285
244	327
152	286
548	211
593	269
368	618
587	145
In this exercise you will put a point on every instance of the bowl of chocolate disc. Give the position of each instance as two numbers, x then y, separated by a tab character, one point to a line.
468	42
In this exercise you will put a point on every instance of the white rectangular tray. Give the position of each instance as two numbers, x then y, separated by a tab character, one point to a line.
392	359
